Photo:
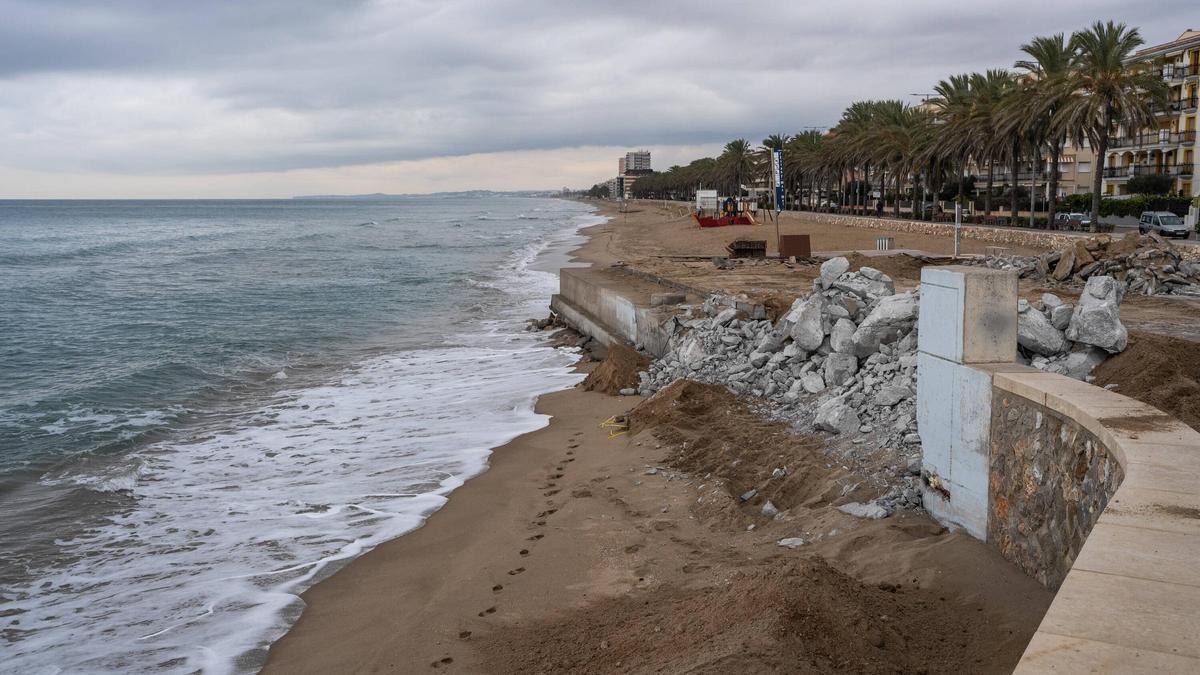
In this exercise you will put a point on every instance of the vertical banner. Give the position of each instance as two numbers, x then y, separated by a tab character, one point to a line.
777	170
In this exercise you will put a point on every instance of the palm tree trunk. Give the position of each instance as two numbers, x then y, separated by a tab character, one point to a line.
1101	149
896	208
1055	151
1016	164
987	196
962	169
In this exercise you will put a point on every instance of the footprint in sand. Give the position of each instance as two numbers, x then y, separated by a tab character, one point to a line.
524	551
516	571
466	634
536	537
570	453
489	610
444	662
551	493
497	588
557	476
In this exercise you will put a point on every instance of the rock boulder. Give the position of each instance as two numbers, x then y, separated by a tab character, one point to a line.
1097	319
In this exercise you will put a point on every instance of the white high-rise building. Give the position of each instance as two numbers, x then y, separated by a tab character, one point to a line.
637	161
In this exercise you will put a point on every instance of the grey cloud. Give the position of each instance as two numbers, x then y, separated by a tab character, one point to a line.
131	86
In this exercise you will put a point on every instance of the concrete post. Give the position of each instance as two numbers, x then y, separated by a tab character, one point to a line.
968	316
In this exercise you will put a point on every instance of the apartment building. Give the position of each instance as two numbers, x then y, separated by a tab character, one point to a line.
1169	147
637	162
1076	166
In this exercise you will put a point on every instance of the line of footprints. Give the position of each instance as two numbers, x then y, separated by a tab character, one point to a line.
550	489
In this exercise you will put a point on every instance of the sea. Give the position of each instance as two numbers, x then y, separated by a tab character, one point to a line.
208	406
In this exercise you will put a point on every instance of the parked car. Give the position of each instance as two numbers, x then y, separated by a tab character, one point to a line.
1164	223
1079	222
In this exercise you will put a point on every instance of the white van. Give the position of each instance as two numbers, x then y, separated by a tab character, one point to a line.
1164	223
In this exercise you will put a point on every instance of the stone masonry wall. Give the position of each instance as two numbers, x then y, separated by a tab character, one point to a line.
1000	236
1049	481
992	235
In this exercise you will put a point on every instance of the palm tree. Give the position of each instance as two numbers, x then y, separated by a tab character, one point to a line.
988	94
1040	101
735	163
1104	91
953	106
804	158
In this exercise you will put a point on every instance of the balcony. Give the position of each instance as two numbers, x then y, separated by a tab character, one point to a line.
1116	172
1174	72
1022	176
1151	139
1182	105
1160	169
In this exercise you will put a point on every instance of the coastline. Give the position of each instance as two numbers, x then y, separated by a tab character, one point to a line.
567	524
465	533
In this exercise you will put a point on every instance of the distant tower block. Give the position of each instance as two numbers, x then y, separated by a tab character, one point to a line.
968	317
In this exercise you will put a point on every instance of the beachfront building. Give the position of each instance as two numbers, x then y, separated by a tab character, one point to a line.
1169	147
629	168
621	186
636	163
1076	166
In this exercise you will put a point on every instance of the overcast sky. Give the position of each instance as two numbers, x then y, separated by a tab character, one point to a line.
206	98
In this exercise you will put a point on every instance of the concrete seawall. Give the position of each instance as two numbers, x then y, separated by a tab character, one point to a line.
614	306
1090	492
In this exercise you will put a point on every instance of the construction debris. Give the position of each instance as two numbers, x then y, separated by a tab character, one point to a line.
1143	263
841	359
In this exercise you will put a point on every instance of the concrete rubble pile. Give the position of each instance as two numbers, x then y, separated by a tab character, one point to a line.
1072	340
842	359
1144	263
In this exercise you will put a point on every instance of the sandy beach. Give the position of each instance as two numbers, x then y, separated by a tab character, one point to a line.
581	552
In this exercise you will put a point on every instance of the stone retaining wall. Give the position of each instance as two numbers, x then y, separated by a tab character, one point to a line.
992	235
1049	481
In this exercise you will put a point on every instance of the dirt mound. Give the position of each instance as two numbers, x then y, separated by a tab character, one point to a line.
712	432
899	266
794	616
1160	370
619	370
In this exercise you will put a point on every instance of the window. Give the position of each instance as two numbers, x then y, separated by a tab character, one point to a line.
1084	167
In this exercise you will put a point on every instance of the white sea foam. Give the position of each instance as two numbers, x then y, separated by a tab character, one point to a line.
232	523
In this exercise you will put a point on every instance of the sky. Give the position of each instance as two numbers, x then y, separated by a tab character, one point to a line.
275	98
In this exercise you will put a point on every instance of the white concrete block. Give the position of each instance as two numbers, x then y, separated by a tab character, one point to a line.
935	405
939	325
954	420
968	314
971	447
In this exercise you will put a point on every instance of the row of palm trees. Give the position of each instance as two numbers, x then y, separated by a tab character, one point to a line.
1073	90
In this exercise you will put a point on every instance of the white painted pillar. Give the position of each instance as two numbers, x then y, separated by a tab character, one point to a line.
968	317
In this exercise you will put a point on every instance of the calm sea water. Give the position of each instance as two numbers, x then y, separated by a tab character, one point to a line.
206	406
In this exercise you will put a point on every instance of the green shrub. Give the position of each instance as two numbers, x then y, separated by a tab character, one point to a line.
1150	184
1134	206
